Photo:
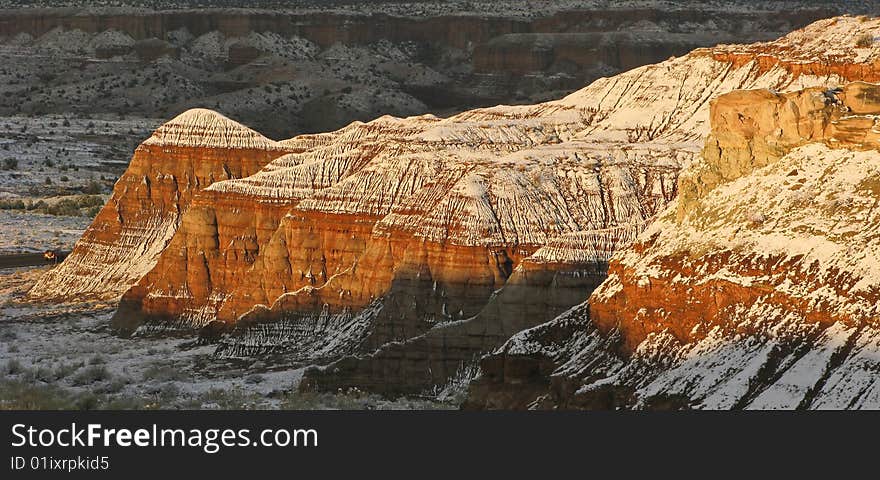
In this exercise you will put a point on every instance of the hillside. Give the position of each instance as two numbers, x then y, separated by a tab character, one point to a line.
400	250
291	67
758	290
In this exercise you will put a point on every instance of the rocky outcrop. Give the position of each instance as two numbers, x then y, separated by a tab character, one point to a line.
758	290
776	235
840	46
396	252
124	241
752	129
428	217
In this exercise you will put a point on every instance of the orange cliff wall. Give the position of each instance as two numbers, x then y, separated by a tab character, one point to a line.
225	269
502	182
232	254
759	291
143	213
666	283
767	61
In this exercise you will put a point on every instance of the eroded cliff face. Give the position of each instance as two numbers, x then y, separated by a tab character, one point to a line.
297	69
419	220
667	31
842	46
124	241
677	115
400	250
752	129
758	290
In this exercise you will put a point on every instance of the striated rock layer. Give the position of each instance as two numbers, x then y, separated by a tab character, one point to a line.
657	108
409	247
124	241
759	289
390	229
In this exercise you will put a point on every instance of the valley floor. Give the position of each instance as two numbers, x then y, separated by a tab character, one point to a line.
65	357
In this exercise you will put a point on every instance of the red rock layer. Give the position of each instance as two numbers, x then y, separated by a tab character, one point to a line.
230	256
143	213
147	202
418	222
760	291
766	61
686	290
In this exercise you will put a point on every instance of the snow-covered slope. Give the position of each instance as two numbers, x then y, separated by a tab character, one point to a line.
493	160
762	291
426	220
183	156
203	128
844	46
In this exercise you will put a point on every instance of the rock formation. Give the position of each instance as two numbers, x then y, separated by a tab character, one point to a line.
396	252
759	289
124	241
661	108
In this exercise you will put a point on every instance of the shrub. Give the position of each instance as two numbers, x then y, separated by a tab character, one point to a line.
18	395
82	205
90	375
114	386
13	367
86	401
125	403
65	207
163	373
64	370
865	40
44	374
39	205
227	399
12	205
92	212
10	163
86	201
92	188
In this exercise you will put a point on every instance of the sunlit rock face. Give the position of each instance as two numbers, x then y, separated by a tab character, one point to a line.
401	249
661	108
758	288
388	230
180	159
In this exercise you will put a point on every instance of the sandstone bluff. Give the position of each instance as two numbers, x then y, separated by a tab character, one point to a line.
395	253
